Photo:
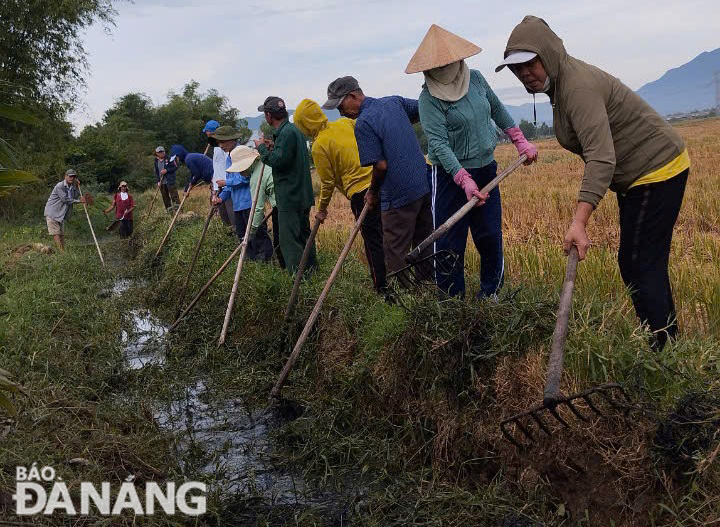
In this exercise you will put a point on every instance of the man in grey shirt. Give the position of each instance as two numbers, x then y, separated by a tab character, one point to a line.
59	206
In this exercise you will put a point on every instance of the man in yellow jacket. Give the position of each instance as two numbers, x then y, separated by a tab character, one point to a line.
336	158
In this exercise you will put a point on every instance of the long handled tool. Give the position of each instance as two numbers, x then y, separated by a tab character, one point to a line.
204	289
183	289
172	223
155	195
301	269
522	425
275	393
244	245
420	269
92	231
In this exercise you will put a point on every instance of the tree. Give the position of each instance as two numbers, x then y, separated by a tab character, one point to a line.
266	130
528	129
42	57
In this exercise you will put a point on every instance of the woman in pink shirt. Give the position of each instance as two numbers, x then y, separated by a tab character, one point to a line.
123	204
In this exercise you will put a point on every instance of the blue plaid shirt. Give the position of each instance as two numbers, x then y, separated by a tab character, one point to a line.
384	132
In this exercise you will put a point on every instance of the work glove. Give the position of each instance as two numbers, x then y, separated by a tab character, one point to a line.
522	144
463	179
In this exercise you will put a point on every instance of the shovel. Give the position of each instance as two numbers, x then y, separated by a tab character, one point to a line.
421	269
520	428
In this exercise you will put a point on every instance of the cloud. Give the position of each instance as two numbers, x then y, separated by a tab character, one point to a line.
250	50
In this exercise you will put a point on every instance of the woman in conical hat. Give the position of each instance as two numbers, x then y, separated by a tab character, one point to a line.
457	111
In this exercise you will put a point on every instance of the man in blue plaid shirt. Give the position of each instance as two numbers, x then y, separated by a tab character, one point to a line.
387	142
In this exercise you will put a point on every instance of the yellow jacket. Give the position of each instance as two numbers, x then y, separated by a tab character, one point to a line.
334	152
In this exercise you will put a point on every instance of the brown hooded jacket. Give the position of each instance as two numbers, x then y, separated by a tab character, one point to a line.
618	135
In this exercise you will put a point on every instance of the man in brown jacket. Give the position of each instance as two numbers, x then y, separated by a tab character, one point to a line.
627	147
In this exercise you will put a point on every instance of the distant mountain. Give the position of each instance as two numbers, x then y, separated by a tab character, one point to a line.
525	111
254	122
686	88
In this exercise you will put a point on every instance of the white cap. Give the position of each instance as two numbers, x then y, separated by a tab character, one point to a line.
516	57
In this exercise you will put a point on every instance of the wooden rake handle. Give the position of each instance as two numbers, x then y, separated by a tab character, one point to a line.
301	269
92	231
452	220
557	350
318	305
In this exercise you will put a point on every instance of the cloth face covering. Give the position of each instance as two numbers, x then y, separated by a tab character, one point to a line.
449	83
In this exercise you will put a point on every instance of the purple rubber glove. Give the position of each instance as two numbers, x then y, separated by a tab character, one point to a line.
522	145
463	179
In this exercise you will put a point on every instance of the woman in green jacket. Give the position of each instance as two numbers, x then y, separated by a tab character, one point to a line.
627	147
457	111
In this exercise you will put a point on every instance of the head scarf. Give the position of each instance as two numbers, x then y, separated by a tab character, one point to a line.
449	83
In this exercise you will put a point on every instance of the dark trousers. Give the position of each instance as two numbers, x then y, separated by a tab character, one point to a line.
126	228
294	233
169	195
259	246
276	237
647	218
372	234
484	222
404	228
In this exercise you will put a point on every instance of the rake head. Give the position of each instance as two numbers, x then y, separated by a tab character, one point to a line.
424	272
521	429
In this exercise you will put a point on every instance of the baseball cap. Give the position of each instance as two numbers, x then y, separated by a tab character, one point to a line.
272	105
516	57
211	126
70	172
338	89
159	149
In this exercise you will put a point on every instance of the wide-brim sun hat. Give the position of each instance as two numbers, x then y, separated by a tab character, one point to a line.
123	184
242	158
516	57
439	48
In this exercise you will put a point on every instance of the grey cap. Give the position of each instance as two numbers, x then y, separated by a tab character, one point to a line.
70	172
338	89
159	149
272	105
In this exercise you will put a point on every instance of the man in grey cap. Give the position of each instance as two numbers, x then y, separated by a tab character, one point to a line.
386	141
59	206
165	176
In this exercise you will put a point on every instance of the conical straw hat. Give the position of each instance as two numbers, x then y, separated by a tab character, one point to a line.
440	48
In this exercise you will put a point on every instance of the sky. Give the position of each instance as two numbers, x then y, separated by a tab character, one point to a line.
249	50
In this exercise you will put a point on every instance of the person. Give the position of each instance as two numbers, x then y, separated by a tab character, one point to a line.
399	185
287	154
165	177
458	113
336	159
217	155
199	165
240	187
58	208
124	204
628	148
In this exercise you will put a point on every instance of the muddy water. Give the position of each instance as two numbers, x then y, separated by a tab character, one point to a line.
217	439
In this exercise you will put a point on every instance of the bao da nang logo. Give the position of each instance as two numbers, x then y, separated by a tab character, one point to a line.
32	496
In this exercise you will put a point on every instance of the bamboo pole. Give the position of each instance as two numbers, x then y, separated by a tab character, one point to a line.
183	289
318	305
244	245
204	289
92	231
172	223
452	220
157	191
301	269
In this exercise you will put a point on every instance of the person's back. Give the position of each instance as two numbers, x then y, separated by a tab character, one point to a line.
383	131
291	174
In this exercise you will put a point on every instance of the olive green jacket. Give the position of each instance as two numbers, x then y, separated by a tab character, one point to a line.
618	135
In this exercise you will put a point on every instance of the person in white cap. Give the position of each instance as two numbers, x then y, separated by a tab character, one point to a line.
628	148
124	204
165	177
59	206
457	111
